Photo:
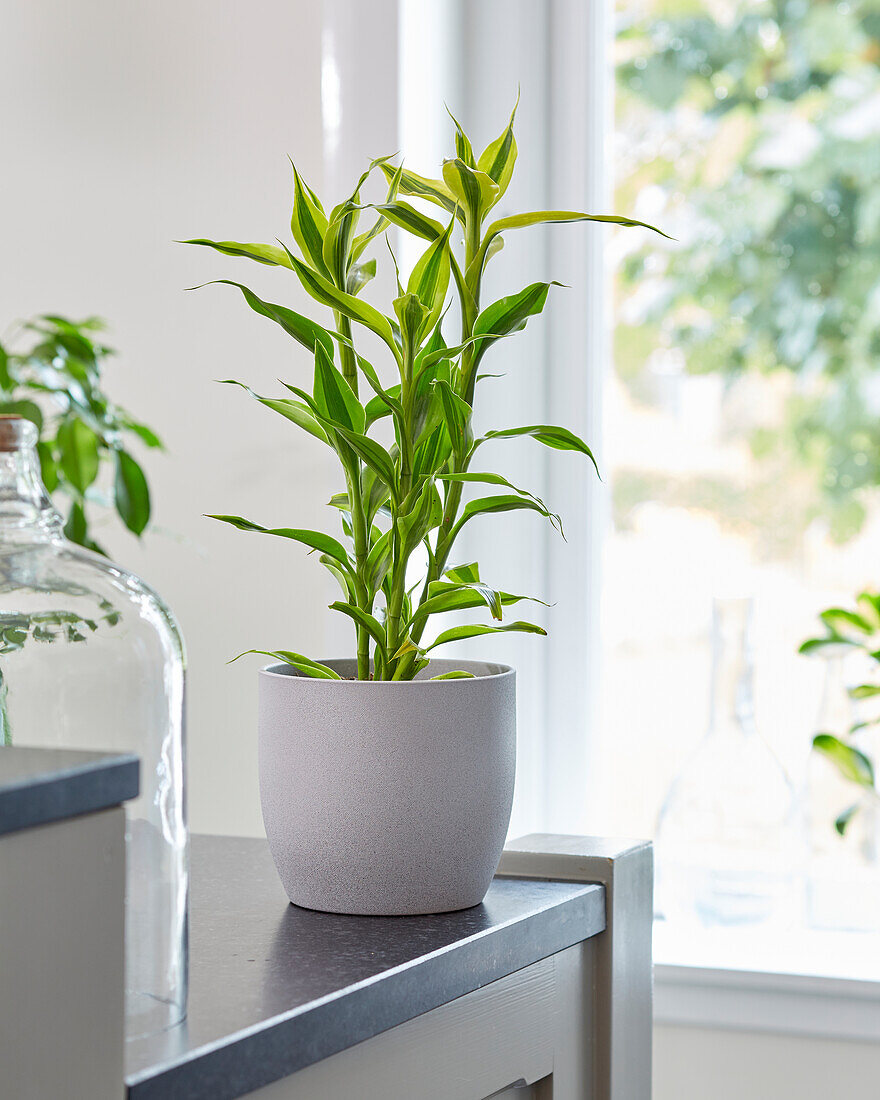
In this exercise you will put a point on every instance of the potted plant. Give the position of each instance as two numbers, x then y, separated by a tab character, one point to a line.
50	374
852	630
386	780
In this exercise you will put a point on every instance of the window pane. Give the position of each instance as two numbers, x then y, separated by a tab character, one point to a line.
741	422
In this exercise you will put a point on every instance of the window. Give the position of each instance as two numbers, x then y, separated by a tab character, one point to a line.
741	423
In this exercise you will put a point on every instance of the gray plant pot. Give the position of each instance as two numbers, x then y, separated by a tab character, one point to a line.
387	798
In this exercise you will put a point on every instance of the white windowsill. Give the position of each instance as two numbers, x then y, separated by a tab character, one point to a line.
820	984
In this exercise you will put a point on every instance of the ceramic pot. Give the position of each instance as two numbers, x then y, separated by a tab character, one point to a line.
387	798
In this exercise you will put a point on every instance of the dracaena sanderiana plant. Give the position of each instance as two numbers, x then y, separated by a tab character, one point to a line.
405	498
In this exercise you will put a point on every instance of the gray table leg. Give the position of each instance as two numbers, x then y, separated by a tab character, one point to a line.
617	1038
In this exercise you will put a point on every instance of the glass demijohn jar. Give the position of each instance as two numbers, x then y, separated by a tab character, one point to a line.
90	658
729	849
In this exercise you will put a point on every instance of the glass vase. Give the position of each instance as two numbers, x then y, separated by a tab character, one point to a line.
91	658
728	842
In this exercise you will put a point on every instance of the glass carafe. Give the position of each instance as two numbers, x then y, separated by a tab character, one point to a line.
729	850
91	658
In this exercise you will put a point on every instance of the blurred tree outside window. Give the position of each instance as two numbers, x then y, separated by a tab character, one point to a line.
742	420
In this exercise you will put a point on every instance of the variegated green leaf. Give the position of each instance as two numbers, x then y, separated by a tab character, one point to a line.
307	332
262	253
309	224
499	157
849	761
302	664
430	279
509	315
497	479
463	148
359	275
334	398
366	620
543	217
315	540
323	291
476	191
475	630
294	411
405	216
435	191
551	435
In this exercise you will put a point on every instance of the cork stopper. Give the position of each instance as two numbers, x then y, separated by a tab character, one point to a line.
16	433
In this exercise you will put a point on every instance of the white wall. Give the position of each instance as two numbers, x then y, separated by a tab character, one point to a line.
709	1064
124	126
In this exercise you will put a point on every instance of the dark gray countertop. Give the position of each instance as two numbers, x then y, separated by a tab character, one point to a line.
42	785
274	988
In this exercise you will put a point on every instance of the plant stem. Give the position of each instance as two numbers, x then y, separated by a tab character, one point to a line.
460	461
5	727
346	352
398	567
358	513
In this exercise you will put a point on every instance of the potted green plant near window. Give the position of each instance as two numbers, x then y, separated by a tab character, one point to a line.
853	630
387	779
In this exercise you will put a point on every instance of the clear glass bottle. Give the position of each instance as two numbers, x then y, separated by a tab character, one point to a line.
729	848
843	873
90	658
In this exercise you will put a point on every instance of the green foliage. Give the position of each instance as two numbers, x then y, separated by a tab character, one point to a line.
856	629
753	125
50	373
402	500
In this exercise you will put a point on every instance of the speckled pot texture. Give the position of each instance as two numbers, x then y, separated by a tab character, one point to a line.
387	798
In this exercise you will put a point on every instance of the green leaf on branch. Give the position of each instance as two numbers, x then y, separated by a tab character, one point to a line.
263	253
295	411
499	157
840	621
29	410
509	315
334	398
502	503
475	630
308	223
849	761
435	191
76	527
323	291
368	622
371	452
405	216
464	573
457	414
461	599
865	691
491	597
457	674
307	332
475	190
430	278
818	645
131	493
307	667
842	820
378	561
78	453
315	540
551	435
497	479
463	148
359	275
